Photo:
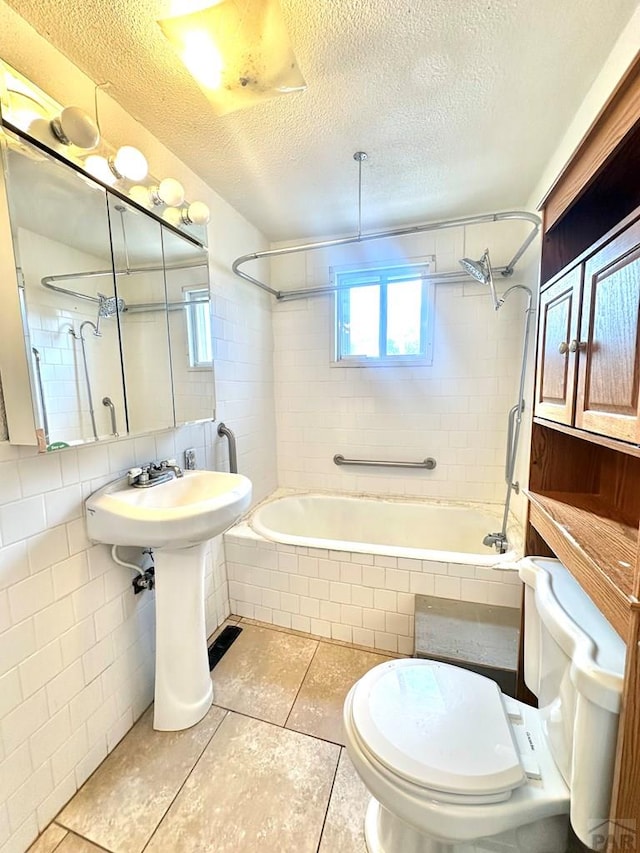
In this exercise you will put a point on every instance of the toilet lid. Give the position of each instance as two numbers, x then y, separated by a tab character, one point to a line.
439	726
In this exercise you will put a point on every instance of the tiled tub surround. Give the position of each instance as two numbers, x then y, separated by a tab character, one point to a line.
367	599
454	409
76	645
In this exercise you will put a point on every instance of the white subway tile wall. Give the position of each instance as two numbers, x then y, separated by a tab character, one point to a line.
454	410
76	645
356	598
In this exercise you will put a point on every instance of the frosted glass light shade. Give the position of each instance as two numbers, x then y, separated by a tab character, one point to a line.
197	213
169	191
173	216
238	52
129	163
74	127
100	169
141	195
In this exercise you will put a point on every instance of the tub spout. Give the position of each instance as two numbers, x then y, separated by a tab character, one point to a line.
497	540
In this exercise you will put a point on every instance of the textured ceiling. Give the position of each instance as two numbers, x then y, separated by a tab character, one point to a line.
459	103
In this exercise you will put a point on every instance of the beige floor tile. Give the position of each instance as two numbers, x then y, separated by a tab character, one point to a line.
344	827
261	673
120	806
318	708
74	844
257	789
48	840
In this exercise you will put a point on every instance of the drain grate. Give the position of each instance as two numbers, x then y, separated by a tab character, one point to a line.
222	643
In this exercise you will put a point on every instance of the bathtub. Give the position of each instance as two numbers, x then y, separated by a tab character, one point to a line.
423	530
350	567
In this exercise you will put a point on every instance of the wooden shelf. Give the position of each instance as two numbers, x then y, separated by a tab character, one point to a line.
598	550
592	437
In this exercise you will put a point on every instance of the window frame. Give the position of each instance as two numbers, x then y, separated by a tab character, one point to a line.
193	326
382	274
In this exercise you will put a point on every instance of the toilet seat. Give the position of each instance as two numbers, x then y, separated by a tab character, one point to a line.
445	815
439	727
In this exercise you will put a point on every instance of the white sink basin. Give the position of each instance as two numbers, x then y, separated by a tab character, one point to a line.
183	512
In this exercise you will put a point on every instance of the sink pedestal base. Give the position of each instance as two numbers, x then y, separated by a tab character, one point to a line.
183	688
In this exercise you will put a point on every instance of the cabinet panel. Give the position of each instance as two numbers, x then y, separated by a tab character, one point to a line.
609	368
559	317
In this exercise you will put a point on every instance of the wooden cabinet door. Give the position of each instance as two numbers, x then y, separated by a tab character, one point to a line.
558	326
608	373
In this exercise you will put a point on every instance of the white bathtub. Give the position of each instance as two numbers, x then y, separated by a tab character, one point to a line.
423	530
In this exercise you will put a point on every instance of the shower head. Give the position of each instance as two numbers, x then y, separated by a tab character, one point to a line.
482	272
476	269
110	305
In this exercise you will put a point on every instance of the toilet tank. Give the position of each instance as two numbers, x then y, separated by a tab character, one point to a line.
574	663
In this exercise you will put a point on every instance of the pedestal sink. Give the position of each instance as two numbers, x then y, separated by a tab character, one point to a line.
176	519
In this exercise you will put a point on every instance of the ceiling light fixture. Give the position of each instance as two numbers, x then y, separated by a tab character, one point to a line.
238	51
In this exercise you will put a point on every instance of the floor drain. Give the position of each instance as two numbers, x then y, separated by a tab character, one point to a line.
222	643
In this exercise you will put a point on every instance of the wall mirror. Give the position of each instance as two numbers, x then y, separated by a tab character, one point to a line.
187	279
142	310
108	331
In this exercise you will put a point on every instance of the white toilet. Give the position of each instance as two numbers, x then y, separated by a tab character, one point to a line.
454	765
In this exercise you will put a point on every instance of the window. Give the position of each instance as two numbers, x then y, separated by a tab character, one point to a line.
198	327
384	315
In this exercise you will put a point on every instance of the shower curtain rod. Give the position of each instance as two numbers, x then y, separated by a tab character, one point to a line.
381	235
47	281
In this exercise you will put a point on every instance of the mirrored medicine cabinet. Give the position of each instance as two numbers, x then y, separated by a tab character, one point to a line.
107	328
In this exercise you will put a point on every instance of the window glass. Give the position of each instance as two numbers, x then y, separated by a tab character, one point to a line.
361	321
199	327
383	316
404	303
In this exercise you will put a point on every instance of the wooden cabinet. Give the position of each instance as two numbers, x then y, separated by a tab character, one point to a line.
558	326
588	371
584	483
608	374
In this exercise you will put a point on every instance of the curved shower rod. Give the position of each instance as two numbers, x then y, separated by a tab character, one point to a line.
381	235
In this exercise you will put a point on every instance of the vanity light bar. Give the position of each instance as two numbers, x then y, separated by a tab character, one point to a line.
72	134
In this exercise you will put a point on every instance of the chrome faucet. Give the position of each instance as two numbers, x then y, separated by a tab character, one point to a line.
171	465
154	473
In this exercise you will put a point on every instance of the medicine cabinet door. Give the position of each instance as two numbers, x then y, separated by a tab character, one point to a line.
187	278
60	354
141	308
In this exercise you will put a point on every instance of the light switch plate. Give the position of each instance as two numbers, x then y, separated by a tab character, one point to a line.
190	460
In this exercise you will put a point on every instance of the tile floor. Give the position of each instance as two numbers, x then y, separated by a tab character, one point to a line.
264	771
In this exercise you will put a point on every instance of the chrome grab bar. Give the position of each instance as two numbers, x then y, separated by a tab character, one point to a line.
233	455
107	401
429	463
512	447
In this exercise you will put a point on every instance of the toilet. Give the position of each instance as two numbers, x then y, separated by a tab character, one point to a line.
455	766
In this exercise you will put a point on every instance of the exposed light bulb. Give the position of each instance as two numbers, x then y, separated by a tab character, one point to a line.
141	195
196	214
74	127
129	163
169	191
99	167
